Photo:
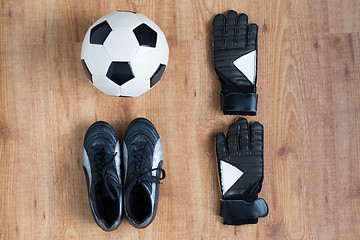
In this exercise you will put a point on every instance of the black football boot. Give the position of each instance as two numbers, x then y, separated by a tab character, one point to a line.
101	163
143	159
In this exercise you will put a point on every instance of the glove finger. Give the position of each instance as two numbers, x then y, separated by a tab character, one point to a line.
241	32
230	27
233	138
257	137
252	35
218	31
221	149
243	134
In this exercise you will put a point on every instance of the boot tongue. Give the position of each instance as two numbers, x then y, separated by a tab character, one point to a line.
102	190
147	187
139	186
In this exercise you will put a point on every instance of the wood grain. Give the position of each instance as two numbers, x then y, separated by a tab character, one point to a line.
309	103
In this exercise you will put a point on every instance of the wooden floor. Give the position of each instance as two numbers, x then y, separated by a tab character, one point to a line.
309	103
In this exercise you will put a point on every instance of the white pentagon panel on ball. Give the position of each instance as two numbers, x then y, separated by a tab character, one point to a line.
106	85
162	49
97	59
85	44
145	62
103	18
121	45
150	23
124	20
135	87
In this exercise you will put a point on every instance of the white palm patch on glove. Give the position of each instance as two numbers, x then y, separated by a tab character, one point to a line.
247	65
229	175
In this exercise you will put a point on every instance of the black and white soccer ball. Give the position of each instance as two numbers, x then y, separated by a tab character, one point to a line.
124	54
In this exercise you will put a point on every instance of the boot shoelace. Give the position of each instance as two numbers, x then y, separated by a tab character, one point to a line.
143	167
103	162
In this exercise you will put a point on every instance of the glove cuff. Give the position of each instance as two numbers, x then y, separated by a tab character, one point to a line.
237	103
240	212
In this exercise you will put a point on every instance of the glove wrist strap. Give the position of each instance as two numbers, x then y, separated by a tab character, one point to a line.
239	212
237	103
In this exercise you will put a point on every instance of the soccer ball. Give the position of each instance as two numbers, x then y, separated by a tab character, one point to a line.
124	54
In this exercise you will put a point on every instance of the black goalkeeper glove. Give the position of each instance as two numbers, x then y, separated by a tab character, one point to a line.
234	44
241	171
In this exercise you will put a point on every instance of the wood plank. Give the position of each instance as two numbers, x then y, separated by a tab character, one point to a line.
309	102
344	16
